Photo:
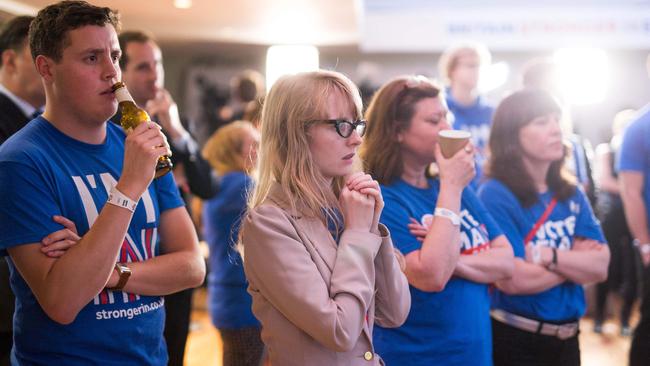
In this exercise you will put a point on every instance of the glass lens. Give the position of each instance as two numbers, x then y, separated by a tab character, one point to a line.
344	128
361	128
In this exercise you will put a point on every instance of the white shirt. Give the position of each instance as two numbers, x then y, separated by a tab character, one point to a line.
25	107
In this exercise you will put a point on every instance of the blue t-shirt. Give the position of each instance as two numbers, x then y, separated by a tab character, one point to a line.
451	327
477	119
569	219
635	153
229	303
44	173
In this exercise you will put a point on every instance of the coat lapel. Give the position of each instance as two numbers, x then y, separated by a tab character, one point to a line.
310	228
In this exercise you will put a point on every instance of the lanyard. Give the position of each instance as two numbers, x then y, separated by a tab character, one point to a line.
541	221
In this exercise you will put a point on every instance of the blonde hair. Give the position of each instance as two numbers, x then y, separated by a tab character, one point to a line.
291	105
224	148
451	56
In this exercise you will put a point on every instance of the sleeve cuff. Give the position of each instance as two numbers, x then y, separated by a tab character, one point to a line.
182	142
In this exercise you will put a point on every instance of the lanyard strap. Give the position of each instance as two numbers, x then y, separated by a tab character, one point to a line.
541	220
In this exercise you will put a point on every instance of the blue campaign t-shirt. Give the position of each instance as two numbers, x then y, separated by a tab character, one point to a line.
451	327
477	119
44	173
229	302
635	153
569	219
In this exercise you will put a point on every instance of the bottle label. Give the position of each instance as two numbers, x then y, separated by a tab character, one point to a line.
123	95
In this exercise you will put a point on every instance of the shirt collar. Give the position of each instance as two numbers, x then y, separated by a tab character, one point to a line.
25	107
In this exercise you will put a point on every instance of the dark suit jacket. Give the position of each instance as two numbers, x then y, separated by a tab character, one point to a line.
12	118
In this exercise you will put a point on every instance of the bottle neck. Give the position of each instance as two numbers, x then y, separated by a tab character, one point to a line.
123	95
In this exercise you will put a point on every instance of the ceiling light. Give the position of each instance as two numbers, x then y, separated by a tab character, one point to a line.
583	74
183	4
289	59
493	76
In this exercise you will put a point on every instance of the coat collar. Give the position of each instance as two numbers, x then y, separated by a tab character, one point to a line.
278	196
312	227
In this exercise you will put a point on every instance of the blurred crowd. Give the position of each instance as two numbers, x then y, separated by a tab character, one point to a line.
336	232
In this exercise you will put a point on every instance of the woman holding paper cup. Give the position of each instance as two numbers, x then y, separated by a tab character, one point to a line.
557	241
452	247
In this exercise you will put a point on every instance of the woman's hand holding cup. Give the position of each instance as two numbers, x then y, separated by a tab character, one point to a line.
455	158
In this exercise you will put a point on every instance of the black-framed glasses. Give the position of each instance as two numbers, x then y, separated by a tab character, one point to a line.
344	127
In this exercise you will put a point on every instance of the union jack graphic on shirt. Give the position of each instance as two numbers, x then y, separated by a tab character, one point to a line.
137	249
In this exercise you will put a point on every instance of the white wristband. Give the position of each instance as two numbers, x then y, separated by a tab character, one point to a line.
119	199
537	254
644	248
448	214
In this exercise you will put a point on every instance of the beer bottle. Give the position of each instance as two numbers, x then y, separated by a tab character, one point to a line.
132	116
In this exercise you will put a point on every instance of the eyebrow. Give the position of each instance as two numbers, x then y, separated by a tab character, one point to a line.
100	51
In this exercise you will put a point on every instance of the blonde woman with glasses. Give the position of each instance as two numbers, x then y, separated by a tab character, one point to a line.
321	269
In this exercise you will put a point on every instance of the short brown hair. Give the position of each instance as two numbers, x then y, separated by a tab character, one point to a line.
13	35
505	162
248	85
389	112
127	37
48	33
451	57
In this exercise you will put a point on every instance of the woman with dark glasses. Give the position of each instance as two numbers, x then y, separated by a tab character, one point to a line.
452	247
321	269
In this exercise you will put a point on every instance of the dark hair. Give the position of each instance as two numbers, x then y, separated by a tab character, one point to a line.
13	35
390	111
48	33
127	37
248	85
506	163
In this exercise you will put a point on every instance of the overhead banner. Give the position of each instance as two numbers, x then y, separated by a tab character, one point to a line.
432	25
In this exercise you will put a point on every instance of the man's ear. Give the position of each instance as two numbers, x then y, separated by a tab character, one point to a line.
8	59
44	66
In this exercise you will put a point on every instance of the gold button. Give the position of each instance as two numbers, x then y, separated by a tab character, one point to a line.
368	356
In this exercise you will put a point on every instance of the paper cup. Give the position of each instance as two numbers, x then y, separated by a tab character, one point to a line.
451	141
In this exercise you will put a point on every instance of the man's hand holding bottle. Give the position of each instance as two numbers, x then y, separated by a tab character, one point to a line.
142	148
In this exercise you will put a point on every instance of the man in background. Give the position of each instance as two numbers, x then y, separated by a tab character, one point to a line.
21	91
143	74
460	67
634	176
21	99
